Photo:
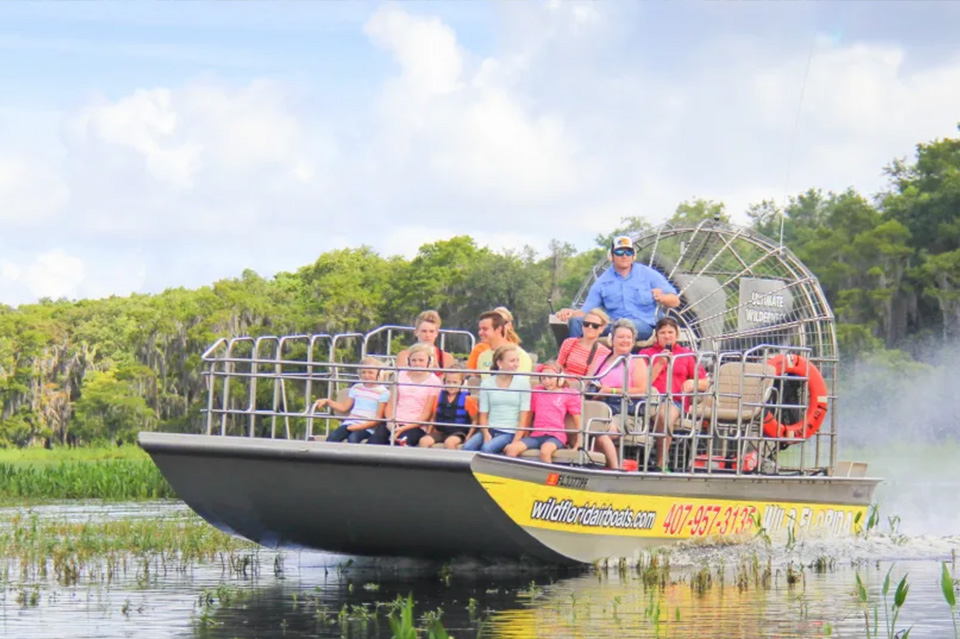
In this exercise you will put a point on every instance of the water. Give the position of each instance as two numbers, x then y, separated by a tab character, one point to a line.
749	593
306	594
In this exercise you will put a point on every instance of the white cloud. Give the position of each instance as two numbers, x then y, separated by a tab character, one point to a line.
559	127
147	124
460	123
9	271
31	193
51	274
425	48
199	158
861	108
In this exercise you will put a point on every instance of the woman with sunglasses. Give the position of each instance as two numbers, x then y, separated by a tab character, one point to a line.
625	290
581	356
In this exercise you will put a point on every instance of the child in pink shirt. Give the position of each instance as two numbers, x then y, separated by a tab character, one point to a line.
550	402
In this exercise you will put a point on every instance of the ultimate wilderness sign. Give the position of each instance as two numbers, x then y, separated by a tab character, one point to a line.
763	302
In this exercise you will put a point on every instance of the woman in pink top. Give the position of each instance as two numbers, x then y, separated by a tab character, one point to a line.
611	385
413	398
550	404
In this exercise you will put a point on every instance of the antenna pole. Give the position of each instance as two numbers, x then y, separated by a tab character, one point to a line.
793	140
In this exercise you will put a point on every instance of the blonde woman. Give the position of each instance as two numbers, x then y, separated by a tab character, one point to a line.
426	330
581	356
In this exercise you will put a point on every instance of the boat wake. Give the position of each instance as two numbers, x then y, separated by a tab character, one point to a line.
884	547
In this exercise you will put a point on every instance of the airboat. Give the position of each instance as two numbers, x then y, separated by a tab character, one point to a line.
757	451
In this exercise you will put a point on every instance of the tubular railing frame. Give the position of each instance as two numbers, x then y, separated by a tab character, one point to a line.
737	435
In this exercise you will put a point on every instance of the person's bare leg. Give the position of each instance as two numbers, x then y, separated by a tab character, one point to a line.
609	450
426	441
662	442
546	452
452	442
514	449
672	424
670	417
665	418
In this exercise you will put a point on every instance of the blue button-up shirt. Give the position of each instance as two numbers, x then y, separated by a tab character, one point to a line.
630	296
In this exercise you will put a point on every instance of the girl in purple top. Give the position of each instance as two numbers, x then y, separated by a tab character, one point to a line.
550	404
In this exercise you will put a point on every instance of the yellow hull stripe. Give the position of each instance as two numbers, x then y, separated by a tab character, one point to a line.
552	506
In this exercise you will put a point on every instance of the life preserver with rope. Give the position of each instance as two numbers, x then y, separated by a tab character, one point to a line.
811	421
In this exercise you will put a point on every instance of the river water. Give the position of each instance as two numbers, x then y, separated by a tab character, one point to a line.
757	590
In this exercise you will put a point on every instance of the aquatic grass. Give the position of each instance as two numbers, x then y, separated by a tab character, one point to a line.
949	594
210	599
402	625
35	455
106	549
401	622
702	580
654	570
899	599
107	479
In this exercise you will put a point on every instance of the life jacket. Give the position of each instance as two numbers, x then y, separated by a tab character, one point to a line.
453	413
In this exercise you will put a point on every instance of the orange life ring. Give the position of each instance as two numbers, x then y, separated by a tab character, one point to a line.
816	406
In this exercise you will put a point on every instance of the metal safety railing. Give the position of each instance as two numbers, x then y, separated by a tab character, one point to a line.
268	387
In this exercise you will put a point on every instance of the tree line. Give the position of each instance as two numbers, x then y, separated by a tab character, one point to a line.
100	370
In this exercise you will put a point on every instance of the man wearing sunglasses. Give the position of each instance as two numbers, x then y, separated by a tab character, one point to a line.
627	290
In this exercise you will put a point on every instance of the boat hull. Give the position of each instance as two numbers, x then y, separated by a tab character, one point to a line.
588	515
439	504
361	500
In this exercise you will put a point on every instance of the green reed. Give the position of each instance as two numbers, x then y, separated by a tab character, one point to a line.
948	586
108	479
899	598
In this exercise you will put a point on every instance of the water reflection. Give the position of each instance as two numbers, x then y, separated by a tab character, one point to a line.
815	605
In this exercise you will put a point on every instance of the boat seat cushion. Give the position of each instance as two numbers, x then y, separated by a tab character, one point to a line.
742	388
567	456
343	395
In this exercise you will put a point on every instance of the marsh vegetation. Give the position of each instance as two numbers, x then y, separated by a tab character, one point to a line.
113	473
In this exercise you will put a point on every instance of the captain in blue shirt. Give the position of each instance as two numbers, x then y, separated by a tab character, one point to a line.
627	289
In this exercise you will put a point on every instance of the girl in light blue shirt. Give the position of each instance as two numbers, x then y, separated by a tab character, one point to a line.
504	404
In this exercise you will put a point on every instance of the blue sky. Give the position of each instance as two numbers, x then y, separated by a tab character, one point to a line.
153	145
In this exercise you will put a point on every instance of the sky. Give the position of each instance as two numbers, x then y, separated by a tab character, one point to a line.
145	146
